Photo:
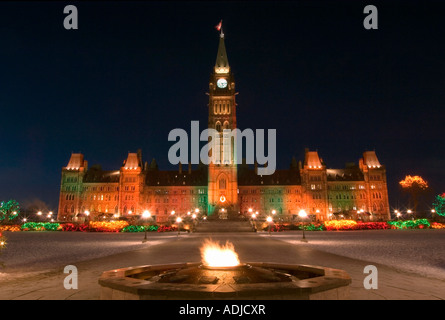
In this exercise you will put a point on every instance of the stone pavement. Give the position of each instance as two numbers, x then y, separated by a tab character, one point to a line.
251	247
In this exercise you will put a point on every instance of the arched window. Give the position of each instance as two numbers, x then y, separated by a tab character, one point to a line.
125	209
72	209
116	209
218	126
226	125
222	183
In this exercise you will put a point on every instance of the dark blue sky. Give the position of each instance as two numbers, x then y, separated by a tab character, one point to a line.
135	70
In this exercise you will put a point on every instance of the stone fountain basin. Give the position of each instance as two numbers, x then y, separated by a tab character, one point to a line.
303	282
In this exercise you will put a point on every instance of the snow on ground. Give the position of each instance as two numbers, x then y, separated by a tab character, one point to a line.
417	251
37	250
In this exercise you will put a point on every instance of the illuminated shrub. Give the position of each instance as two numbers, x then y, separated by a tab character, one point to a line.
11	228
134	228
437	225
340	225
75	227
371	226
410	224
41	226
107	226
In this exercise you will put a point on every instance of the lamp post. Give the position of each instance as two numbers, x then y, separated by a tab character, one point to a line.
146	215
178	221
193	221
302	214
270	220
433	211
252	221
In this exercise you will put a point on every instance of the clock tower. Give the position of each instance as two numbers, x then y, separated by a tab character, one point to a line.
223	179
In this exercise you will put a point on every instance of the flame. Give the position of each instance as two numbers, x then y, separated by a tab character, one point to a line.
214	255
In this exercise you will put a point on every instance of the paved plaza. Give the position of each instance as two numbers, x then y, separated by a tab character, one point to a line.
30	275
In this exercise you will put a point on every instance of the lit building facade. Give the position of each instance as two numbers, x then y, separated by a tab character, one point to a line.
225	189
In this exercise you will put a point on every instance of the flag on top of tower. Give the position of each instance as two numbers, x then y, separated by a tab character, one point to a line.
219	26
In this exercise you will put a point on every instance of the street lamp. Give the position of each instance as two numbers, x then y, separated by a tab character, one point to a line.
178	221
269	220
252	221
146	215
193	222
302	214
273	211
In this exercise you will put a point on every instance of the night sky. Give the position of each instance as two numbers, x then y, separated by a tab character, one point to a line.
133	71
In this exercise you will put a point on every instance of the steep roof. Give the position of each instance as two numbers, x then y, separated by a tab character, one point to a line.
348	174
76	161
174	178
248	177
96	175
312	160
133	161
370	159
222	61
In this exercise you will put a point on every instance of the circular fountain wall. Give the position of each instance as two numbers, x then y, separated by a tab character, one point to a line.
245	281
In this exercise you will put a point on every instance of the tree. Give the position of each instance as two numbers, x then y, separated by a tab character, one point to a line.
415	186
439	205
9	210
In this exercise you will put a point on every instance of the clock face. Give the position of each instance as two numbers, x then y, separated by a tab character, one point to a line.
221	83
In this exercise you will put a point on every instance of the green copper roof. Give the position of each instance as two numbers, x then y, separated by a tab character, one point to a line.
221	58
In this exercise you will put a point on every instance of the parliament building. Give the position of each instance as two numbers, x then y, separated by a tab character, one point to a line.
226	190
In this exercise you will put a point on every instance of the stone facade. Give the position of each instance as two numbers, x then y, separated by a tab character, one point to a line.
225	188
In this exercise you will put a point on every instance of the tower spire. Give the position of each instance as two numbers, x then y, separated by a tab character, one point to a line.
222	62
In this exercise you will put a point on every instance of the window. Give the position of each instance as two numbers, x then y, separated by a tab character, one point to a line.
222	183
